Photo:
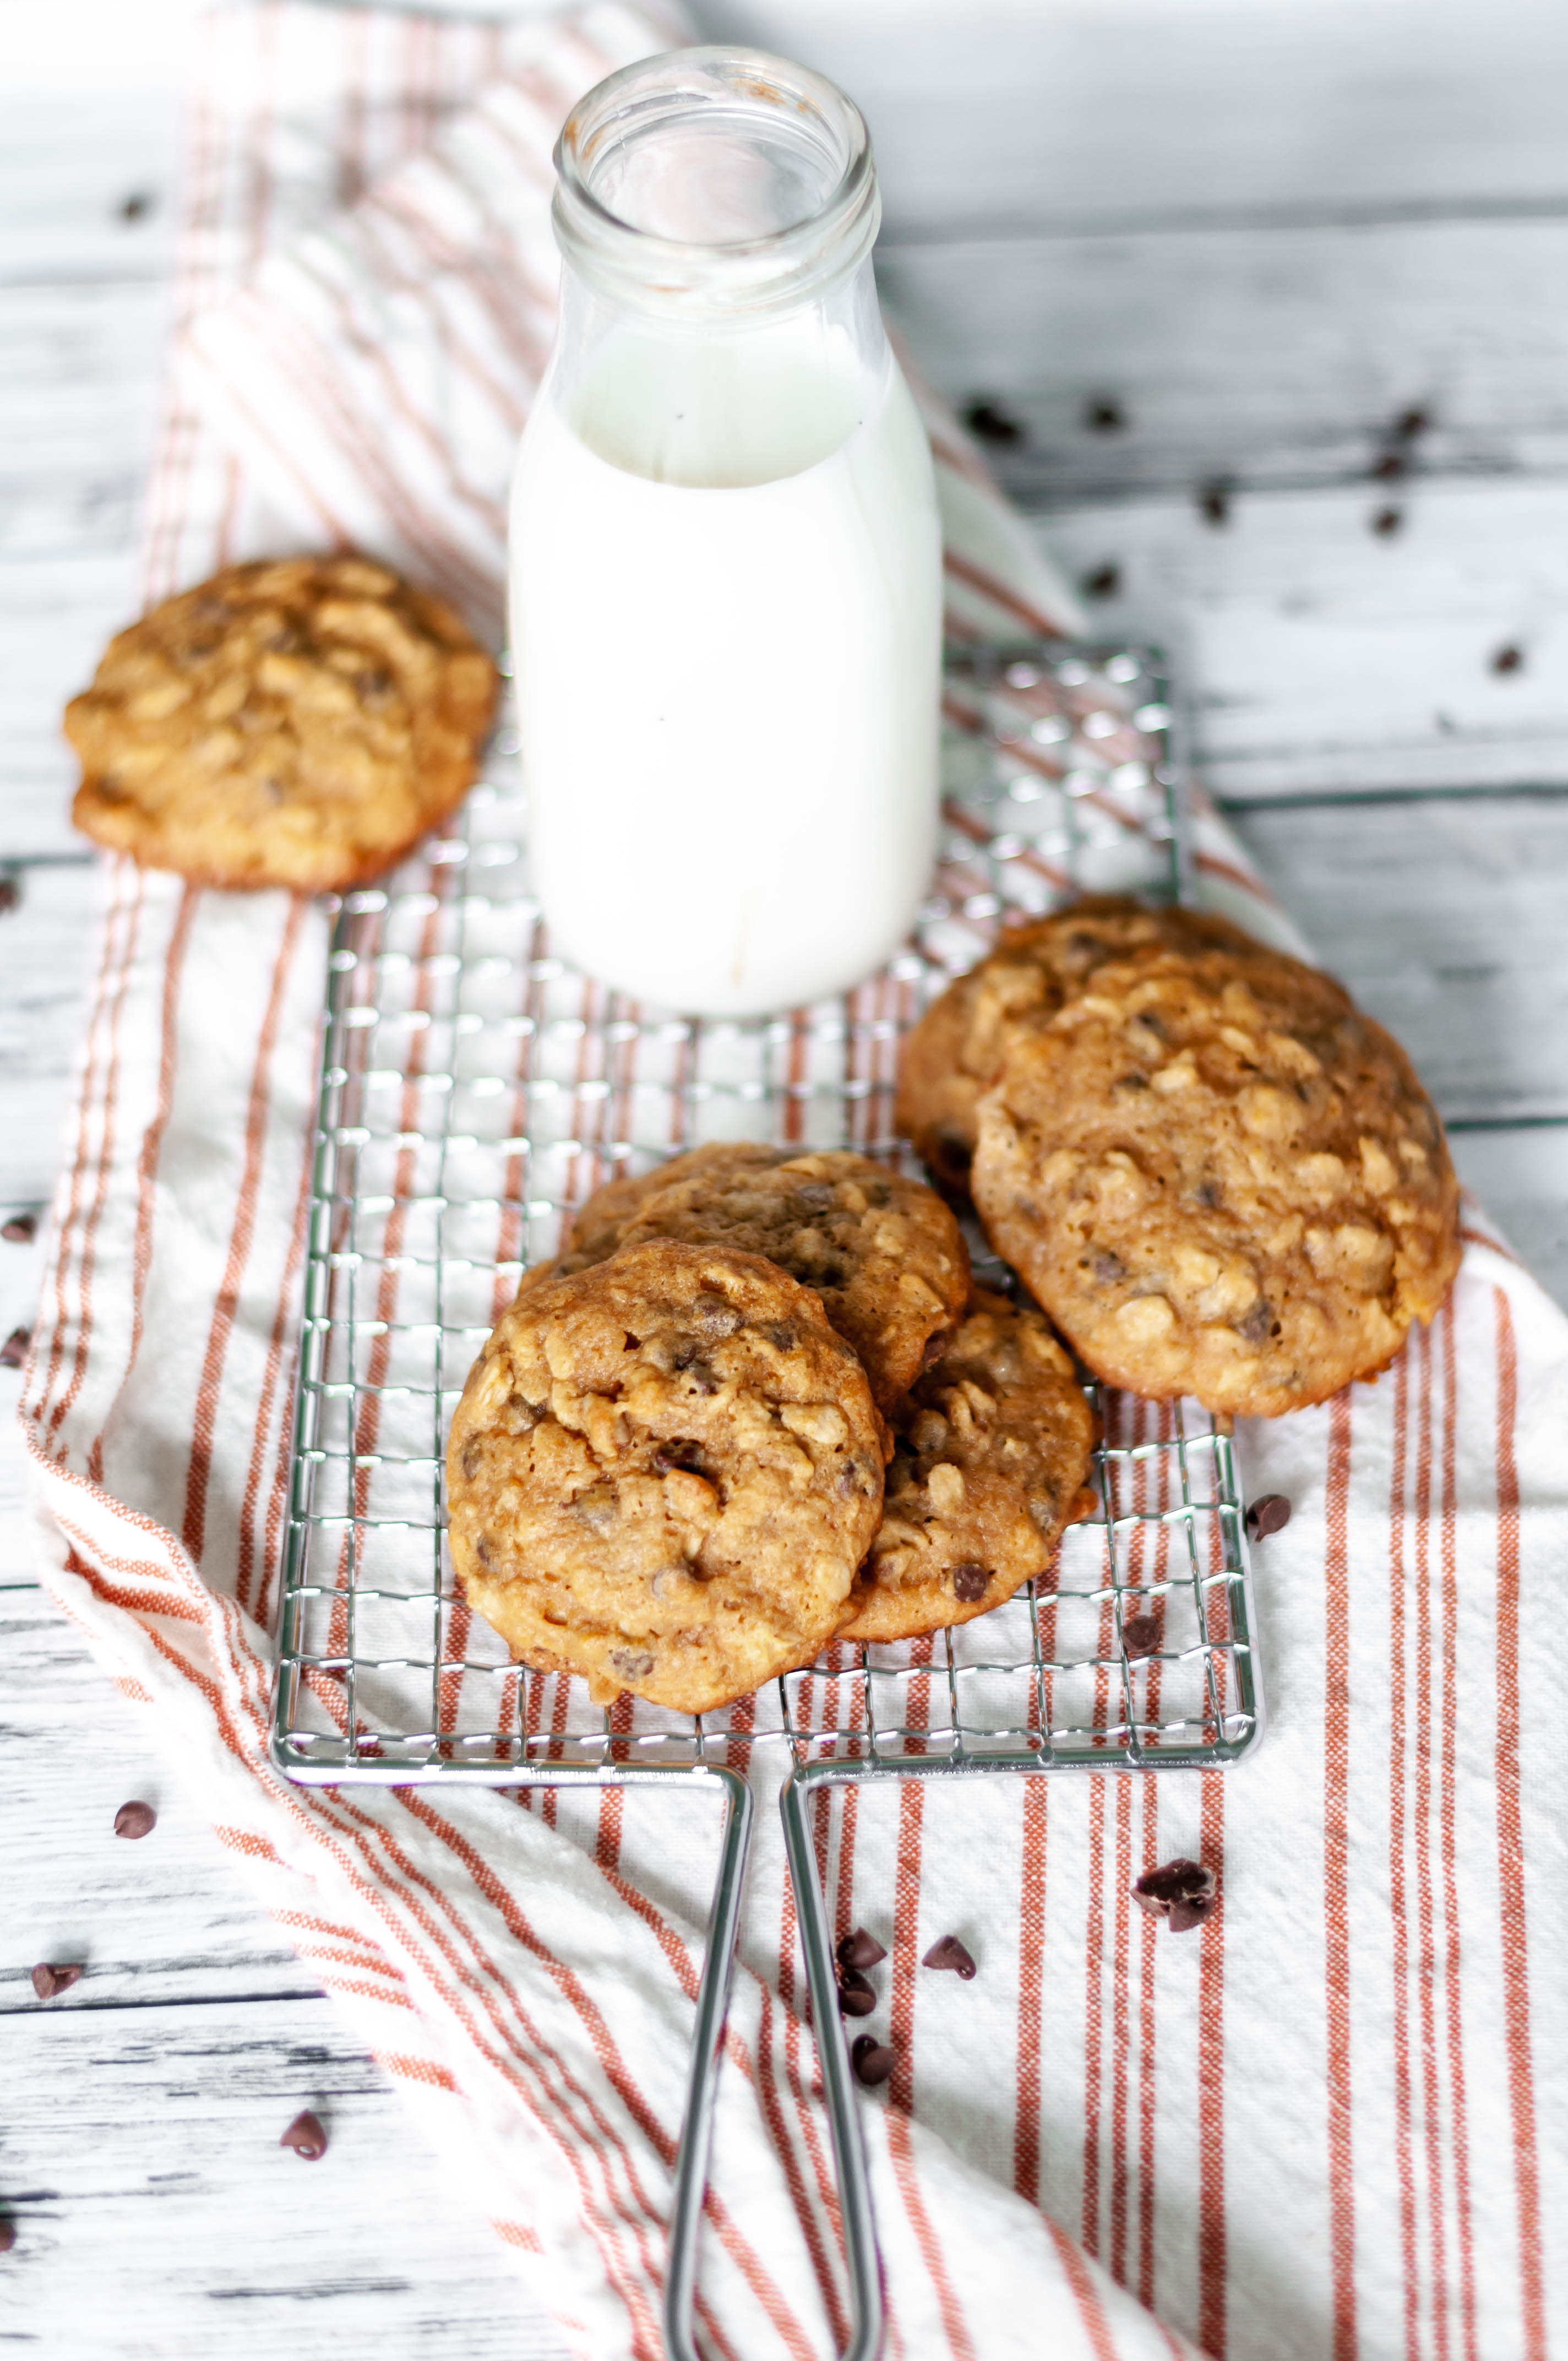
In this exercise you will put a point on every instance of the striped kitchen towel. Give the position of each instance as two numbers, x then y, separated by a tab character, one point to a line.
1323	2125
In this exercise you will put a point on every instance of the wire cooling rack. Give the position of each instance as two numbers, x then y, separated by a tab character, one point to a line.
474	1089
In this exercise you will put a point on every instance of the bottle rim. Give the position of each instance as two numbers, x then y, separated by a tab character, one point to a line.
649	271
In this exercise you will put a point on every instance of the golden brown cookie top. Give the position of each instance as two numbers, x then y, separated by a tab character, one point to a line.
663	1474
883	1253
299	722
956	1050
991	1461
1219	1178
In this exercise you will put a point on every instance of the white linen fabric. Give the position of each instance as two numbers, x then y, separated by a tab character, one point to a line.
1319	2126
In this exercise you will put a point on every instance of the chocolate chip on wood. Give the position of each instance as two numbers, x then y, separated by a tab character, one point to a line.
50	1977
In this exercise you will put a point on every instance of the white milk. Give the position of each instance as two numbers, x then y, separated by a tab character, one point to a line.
726	627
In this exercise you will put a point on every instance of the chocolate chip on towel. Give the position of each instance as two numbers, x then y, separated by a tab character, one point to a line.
1183	1893
860	1949
856	1997
13	1351
872	2061
1140	1634
950	1953
1270	1514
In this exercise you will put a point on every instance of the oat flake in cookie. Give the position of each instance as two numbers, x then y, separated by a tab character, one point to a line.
956	1048
1221	1180
298	722
662	1475
882	1252
990	1456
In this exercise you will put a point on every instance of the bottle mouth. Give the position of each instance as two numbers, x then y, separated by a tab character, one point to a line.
715	180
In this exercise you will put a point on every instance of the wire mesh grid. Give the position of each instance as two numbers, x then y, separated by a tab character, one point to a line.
474	1089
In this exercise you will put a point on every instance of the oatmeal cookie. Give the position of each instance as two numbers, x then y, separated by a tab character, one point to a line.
990	1460
662	1475
882	1252
957	1047
298	722
1220	1178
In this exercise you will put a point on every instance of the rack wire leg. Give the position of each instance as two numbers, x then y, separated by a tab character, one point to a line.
843	2110
702	2090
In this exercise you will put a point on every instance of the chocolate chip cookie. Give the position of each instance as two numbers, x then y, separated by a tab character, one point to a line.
1220	1178
991	1454
956	1050
663	1474
298	722
882	1252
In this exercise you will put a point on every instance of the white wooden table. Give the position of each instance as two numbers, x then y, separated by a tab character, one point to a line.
1245	237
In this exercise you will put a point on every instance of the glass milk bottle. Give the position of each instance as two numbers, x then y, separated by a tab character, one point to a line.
726	564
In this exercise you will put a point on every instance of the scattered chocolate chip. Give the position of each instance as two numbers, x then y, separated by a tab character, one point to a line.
872	2060
1207	1193
990	422
138	206
1140	1634
856	1997
861	1949
970	1582
50	1979
1181	1891
7	2235
678	1452
1388	521
1103	583
135	1819
10	893
1214	504
1508	659
306	2135
19	1229
1270	1514
1410	424
780	1335
1108	1268
1389	465
631	1663
950	1953
13	1351
1104	415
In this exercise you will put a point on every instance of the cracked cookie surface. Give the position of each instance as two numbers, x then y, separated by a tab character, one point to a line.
1220	1178
298	722
662	1475
990	1464
956	1050
883	1253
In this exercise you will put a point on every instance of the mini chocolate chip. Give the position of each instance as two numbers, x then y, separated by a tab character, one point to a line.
678	1452
1508	659
990	422
13	1351
1102	414
1411	423
872	2060
856	1997
934	1348
1108	1268
1214	504
970	1582
1390	466
717	1317
1207	1193
473	1453
817	1194
19	1229
631	1663
1103	583
49	1979
306	2135
1132	1082
950	1953
1186	1887
1270	1514
780	1335
1140	1634
7	2235
1388	521
1255	1321
860	1949
135	1819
